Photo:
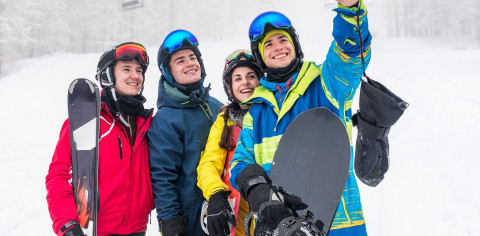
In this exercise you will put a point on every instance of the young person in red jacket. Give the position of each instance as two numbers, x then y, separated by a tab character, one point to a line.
125	191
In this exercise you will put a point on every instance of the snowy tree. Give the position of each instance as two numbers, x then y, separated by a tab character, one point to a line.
36	27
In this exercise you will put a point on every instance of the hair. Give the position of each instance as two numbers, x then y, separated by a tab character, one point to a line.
226	141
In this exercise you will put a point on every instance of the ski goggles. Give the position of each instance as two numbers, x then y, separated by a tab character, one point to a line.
174	41
276	19
130	51
236	57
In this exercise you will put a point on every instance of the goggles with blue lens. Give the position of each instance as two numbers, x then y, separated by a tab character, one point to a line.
276	19
175	39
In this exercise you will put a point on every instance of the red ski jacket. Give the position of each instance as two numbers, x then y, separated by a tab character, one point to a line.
125	190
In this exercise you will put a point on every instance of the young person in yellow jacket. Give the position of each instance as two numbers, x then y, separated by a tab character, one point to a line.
240	78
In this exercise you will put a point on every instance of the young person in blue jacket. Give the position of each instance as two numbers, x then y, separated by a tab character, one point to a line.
291	87
178	134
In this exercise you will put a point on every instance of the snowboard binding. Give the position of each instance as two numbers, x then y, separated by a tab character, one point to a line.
302	225
293	226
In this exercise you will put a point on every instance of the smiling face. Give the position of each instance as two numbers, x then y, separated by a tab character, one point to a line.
244	82
185	67
128	77
278	51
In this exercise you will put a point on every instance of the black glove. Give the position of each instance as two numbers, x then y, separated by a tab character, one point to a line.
174	227
219	214
72	228
379	110
270	214
272	203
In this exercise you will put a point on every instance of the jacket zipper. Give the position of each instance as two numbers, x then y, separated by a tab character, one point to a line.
207	112
120	145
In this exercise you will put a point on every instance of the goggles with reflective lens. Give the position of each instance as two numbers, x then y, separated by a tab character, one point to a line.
235	56
238	54
130	51
175	39
276	19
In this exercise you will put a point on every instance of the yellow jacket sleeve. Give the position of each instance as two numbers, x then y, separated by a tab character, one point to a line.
212	162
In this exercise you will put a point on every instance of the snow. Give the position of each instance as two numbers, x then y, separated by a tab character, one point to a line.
430	189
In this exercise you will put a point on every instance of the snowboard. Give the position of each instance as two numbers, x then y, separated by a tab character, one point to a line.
234	196
312	161
83	118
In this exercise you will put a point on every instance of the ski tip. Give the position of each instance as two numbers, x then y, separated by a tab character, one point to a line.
93	87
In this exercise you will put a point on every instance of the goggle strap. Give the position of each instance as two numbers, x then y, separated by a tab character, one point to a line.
113	94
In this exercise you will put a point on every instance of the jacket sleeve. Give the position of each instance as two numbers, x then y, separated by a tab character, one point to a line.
61	203
166	148
212	163
244	152
342	69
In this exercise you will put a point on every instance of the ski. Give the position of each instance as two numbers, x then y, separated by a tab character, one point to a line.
84	123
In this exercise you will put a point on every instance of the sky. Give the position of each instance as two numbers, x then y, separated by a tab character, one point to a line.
431	187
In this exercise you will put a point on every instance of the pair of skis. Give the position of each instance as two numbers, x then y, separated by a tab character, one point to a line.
84	123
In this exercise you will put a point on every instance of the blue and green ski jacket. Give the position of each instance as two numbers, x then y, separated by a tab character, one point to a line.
331	85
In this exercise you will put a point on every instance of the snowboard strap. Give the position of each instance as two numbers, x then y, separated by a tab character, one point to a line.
247	223
368	129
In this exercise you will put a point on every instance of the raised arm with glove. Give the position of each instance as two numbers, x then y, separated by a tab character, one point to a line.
379	110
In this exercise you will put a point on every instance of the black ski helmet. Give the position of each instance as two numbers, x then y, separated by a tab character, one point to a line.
266	22
238	58
123	52
175	41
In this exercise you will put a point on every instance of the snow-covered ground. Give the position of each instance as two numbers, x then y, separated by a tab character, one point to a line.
431	187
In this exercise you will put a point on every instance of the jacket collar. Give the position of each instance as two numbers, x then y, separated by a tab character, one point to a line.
170	96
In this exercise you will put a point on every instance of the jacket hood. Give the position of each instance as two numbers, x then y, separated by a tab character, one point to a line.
170	96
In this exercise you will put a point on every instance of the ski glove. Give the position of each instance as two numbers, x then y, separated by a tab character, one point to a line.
270	202
72	228
379	110
173	227
219	214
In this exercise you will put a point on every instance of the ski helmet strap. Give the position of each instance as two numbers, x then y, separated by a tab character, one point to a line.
118	113
109	75
108	83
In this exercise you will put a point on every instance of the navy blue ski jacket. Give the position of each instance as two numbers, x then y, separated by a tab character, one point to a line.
177	137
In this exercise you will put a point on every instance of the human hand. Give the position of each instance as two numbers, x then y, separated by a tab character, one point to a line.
72	228
347	3
270	214
219	214
173	227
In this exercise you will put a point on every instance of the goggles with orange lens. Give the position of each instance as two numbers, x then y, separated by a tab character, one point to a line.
130	51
